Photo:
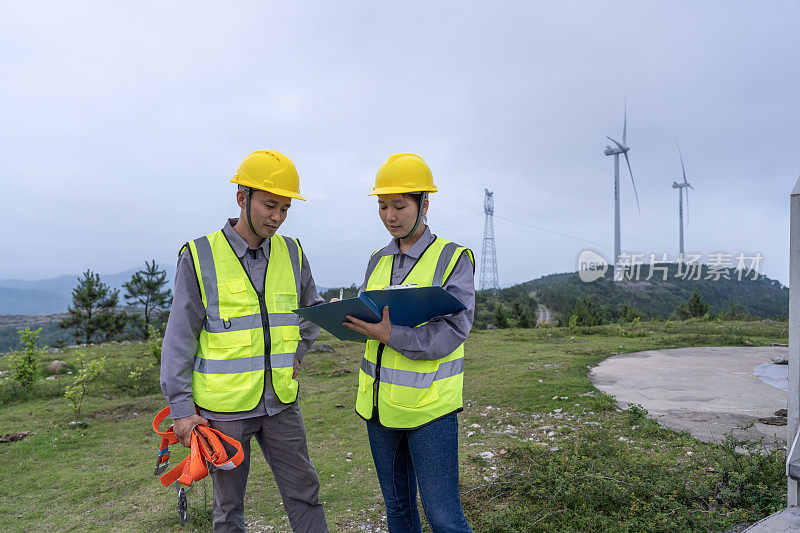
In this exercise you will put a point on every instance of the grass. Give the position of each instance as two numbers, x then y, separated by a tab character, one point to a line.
540	448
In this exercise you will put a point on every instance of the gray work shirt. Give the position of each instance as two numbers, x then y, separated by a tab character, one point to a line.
186	321
442	334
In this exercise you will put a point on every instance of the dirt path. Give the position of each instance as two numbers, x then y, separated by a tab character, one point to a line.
543	316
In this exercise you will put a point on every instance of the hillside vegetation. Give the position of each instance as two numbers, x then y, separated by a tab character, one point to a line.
655	298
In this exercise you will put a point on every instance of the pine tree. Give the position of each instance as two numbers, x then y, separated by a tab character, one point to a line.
585	312
92	309
525	320
112	324
500	317
146	288
697	307
522	314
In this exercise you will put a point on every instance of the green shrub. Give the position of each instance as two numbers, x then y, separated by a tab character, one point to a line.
500	317
88	371
154	343
25	362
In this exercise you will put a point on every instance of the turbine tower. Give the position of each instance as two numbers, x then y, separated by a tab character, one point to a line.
620	148
488	255
682	187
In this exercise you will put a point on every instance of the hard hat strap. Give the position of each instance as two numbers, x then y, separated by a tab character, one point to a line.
247	211
422	198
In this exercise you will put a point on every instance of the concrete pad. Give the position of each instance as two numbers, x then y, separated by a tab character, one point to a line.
706	391
782	521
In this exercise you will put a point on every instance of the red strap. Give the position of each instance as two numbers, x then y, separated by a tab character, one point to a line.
206	445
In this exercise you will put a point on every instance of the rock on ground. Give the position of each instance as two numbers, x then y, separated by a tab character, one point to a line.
57	367
320	348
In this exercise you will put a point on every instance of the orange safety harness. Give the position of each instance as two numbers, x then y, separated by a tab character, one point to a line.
206	448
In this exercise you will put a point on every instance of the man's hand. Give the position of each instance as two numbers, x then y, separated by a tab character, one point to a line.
380	331
183	427
334	300
296	368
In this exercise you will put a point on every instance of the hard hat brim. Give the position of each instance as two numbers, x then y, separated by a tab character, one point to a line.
399	190
273	190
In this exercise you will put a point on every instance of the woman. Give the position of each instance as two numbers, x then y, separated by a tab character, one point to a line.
409	385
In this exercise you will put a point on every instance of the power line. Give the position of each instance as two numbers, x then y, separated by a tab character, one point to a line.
553	232
592	228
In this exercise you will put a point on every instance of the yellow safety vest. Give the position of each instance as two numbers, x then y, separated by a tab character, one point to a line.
403	393
231	357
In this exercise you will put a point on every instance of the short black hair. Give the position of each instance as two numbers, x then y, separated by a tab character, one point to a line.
416	197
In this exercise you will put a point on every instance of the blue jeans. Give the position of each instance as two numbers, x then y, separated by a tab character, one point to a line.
427	457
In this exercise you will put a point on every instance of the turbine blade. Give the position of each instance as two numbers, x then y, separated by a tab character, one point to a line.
635	194
625	124
682	167
617	143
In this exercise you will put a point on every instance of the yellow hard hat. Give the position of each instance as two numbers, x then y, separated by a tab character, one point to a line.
269	171
403	173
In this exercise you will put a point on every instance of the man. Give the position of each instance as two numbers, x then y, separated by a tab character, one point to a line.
232	346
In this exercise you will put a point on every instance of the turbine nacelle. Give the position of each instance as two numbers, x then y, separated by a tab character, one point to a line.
615	150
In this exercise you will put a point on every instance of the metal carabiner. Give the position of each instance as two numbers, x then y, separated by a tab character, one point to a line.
161	467
183	503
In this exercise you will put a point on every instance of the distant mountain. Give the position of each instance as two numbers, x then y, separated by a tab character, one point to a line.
31	302
53	295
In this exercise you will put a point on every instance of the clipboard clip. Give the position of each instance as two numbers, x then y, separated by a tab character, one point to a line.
404	286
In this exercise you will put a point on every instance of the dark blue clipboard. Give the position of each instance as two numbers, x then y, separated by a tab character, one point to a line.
408	306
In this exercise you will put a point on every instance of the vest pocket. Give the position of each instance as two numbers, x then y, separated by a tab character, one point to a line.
290	333
236	285
284	302
412	396
230	347
229	343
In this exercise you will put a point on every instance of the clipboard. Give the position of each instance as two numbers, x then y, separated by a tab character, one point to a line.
408	306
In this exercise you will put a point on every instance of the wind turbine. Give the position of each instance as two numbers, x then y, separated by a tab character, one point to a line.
616	151
685	186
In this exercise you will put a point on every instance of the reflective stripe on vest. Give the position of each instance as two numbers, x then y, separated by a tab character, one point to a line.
231	358
410	393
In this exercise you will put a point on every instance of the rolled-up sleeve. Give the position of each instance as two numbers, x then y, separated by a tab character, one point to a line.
308	297
443	334
180	340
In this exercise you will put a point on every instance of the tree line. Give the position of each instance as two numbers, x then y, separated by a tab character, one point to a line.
491	312
95	313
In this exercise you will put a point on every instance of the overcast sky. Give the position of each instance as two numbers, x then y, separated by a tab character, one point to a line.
121	126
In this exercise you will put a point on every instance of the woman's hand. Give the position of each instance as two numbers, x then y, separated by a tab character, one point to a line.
380	331
334	300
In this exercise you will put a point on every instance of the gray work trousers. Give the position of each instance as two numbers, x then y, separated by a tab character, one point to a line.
282	438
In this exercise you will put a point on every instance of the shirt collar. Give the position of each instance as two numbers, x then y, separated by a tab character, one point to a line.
238	244
393	248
